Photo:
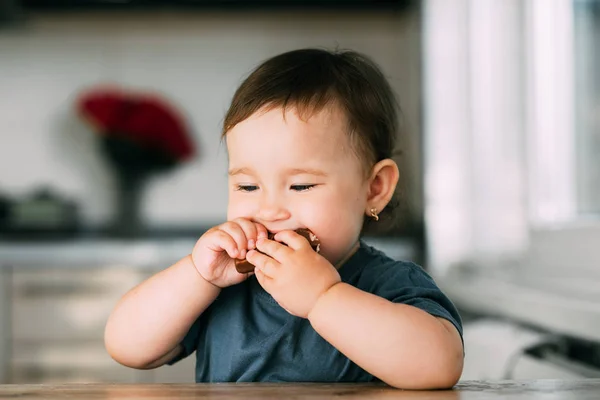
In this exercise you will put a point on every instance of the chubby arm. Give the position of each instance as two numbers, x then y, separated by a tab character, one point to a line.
148	323
402	345
398	343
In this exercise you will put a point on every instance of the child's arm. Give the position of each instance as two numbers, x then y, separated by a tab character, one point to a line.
147	325
402	345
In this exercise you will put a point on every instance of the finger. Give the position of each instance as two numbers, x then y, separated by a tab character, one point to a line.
220	240
292	239
264	280
261	230
237	233
273	249
263	263
250	231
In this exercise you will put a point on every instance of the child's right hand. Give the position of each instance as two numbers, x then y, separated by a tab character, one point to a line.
215	251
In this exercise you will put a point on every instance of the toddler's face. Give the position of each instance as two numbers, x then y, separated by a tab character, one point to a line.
286	173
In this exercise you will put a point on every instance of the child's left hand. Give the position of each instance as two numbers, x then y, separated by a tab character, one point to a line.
295	275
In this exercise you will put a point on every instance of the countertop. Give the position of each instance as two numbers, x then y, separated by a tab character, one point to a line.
536	389
149	252
555	300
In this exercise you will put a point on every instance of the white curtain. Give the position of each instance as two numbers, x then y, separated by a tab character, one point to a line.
474	124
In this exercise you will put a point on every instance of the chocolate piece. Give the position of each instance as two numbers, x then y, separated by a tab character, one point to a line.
244	266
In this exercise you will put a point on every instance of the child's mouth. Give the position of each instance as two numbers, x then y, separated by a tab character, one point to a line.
244	266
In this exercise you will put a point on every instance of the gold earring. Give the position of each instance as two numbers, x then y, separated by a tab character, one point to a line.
374	214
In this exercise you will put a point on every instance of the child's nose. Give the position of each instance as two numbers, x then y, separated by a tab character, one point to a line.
272	209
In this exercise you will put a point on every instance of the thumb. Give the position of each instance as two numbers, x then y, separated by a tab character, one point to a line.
263	280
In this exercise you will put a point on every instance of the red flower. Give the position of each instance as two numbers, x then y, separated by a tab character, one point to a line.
143	119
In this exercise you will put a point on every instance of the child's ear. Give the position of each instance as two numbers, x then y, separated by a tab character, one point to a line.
382	184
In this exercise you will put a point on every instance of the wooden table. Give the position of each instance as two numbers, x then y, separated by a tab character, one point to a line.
537	389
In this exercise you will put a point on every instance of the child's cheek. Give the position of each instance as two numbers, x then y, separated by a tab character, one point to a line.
237	208
334	228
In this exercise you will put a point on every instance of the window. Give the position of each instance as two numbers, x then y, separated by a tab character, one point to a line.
512	133
586	29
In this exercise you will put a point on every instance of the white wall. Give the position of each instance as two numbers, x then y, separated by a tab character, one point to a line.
197	60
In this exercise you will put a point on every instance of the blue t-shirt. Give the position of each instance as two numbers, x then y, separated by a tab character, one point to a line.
245	336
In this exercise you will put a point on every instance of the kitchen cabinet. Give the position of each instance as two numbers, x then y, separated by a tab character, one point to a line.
55	299
57	318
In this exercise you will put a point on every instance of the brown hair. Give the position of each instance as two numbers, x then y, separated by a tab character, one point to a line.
310	80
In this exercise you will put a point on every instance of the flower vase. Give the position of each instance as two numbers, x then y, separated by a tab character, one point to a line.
128	220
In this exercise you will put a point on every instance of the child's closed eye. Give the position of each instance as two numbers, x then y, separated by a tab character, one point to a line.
302	188
247	188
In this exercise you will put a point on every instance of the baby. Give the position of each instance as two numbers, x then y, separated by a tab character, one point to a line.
309	135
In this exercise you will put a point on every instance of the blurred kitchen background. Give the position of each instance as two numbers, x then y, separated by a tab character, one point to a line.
500	161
